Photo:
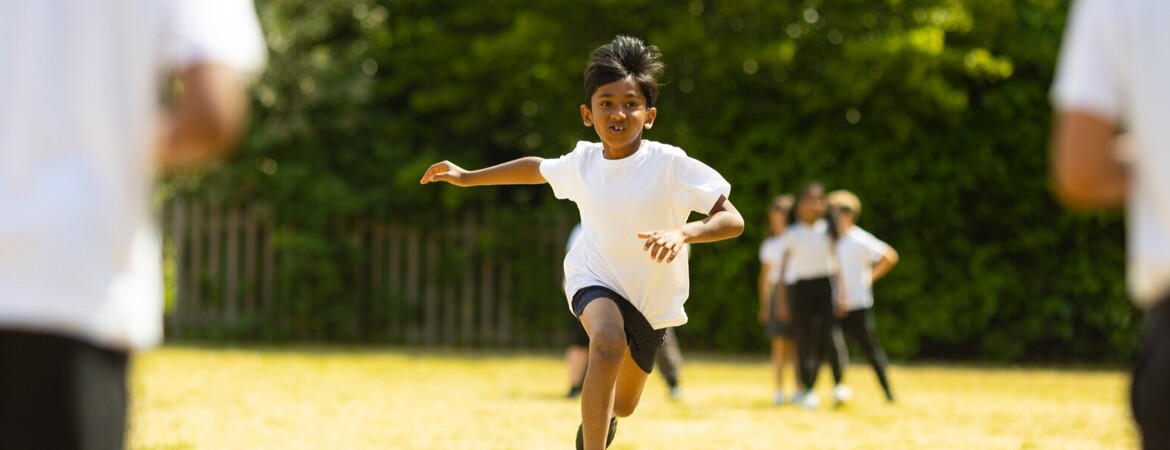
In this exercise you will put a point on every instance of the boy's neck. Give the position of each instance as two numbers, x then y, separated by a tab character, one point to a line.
620	152
844	226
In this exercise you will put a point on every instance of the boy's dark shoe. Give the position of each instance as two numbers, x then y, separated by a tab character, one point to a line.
608	439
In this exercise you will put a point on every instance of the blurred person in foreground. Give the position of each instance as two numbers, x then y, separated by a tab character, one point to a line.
81	131
1112	76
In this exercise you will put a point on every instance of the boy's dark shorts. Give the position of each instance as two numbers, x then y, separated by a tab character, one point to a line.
643	340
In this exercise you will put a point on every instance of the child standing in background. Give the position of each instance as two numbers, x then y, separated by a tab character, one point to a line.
622	277
864	259
779	331
807	249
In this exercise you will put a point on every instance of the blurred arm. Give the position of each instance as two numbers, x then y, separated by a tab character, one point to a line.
765	290
208	118
1085	169
883	266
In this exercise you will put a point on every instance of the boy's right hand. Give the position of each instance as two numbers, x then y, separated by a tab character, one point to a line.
444	171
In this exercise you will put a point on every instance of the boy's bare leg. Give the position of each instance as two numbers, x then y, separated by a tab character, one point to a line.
630	382
607	351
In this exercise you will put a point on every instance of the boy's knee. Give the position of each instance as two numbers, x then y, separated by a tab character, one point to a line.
608	344
624	409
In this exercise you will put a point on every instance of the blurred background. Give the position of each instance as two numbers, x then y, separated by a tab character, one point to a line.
935	112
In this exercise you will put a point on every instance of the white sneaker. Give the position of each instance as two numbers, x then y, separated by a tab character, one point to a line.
810	401
675	393
842	394
778	399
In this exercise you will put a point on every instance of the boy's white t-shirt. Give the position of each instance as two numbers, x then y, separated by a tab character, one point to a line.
79	254
809	250
770	255
857	252
655	188
1114	64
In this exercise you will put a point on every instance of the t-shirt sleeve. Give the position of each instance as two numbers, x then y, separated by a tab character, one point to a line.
563	173
874	248
768	252
223	32
1088	75
697	185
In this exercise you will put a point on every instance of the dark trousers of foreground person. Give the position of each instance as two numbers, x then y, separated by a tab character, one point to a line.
58	393
859	327
813	326
1150	393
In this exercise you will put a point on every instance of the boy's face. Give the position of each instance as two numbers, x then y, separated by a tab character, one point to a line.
618	113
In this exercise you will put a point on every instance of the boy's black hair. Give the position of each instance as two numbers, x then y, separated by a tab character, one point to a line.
830	216
624	57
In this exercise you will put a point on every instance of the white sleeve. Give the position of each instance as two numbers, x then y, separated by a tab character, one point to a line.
768	253
1088	75
875	248
697	185
562	173
224	32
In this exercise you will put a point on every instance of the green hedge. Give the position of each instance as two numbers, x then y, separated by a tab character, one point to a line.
934	111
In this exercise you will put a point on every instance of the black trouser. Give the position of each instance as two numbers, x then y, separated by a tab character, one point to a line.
1150	392
859	326
669	359
813	324
60	393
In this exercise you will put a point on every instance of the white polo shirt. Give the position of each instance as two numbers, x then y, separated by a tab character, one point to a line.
655	188
79	255
857	252
1115	63
809	250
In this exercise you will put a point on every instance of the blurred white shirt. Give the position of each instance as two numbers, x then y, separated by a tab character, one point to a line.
79	89
1115	63
809	251
857	252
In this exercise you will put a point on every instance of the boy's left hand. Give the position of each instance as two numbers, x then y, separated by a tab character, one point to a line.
663	245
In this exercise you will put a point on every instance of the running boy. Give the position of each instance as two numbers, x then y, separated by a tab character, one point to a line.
864	259
624	278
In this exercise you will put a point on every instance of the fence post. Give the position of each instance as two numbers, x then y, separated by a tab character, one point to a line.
413	273
232	277
431	327
250	242
467	309
397	295
178	223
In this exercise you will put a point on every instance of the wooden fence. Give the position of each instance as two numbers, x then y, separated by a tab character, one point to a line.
235	272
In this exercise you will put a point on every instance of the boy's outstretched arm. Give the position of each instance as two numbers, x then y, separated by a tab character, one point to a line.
723	222
520	171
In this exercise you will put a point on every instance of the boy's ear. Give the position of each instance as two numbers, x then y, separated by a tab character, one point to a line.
650	115
586	116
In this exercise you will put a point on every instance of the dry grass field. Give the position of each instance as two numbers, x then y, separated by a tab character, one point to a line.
342	398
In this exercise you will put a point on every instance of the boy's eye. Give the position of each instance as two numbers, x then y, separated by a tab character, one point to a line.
606	103
632	105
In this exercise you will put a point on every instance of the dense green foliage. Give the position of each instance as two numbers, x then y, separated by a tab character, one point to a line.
934	111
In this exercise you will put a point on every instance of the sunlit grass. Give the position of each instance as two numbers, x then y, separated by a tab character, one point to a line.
328	398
